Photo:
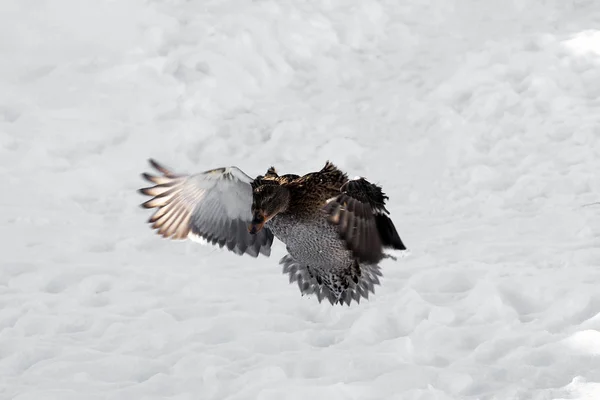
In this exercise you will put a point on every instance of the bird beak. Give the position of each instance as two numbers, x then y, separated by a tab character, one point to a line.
258	221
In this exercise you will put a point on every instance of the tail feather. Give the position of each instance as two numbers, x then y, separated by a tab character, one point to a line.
336	288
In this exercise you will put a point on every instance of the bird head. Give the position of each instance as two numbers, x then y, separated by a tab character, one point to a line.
268	201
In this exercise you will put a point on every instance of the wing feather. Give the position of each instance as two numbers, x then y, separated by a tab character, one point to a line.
213	205
361	218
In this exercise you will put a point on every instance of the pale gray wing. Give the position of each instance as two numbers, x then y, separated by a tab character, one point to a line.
214	205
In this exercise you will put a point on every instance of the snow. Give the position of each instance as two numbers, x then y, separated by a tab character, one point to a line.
479	118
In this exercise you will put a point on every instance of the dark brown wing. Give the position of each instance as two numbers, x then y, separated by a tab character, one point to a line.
359	213
367	192
214	205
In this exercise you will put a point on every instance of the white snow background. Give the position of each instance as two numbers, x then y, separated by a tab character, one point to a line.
481	119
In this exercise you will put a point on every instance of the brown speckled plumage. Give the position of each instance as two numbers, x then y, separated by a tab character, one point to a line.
335	229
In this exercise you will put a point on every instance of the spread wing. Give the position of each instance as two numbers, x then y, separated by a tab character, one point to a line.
213	205
360	215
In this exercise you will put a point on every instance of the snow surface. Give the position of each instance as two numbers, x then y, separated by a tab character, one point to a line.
479	118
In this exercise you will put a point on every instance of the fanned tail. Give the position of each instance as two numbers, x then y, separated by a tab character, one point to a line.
336	288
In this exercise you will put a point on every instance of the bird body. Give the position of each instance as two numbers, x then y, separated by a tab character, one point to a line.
334	229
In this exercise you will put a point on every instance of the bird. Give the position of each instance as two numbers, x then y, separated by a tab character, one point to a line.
335	229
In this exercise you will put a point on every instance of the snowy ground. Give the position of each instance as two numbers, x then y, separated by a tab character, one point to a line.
479	118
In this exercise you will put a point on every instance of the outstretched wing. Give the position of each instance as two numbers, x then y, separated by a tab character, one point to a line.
359	213
213	205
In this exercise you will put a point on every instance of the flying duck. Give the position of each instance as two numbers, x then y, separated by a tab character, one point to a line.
335	229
